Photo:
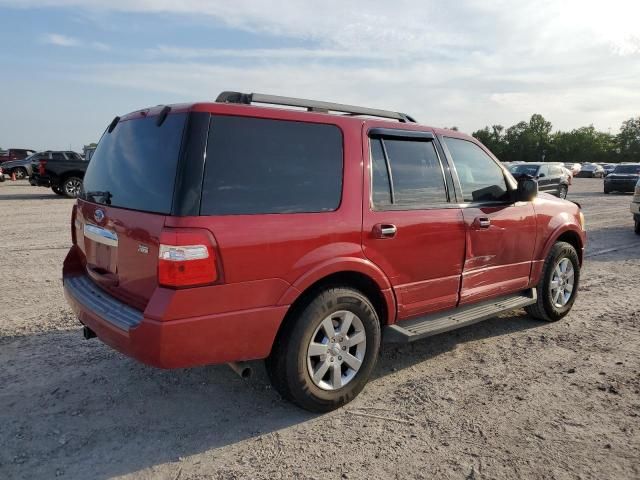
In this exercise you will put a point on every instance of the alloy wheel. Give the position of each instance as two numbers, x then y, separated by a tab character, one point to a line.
72	187
336	351
562	283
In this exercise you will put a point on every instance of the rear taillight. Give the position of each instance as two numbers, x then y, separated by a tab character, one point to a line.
186	258
41	166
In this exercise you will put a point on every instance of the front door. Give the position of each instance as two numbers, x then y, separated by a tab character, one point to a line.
501	234
410	228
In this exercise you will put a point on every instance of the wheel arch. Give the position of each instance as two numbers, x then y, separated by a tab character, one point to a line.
375	287
569	234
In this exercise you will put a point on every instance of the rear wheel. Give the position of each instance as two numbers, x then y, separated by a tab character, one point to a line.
637	227
324	356
558	285
563	191
71	186
20	173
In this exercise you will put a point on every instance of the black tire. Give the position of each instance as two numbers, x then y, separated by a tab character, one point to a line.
20	173
287	364
562	193
70	186
544	309
56	189
637	227
607	191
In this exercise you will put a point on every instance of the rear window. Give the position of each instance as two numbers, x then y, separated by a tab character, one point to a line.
135	165
257	165
627	169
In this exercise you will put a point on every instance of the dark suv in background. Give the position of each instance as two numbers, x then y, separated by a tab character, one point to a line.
551	177
62	171
623	178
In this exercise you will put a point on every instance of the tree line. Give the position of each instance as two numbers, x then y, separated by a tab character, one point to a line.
534	141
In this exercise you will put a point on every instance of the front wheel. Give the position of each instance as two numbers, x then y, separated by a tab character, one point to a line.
325	354
20	173
558	285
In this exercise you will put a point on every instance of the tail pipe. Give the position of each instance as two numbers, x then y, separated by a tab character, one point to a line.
241	368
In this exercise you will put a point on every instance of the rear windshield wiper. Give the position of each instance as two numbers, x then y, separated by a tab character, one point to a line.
105	194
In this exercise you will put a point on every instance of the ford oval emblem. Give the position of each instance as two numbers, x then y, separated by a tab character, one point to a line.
98	215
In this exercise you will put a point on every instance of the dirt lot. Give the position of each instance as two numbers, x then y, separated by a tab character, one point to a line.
507	398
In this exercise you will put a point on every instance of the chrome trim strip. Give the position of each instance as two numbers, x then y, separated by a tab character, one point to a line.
101	235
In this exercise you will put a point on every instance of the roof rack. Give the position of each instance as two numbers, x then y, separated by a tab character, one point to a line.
310	105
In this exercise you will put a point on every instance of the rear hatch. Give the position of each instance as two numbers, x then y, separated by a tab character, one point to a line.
127	192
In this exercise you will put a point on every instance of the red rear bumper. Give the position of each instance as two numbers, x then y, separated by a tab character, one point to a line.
187	342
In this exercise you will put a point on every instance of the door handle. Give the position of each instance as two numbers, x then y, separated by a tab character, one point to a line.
482	222
384	230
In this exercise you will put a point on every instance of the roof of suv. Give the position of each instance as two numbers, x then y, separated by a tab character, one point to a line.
257	104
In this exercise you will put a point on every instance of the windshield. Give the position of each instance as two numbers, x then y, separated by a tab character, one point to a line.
627	169
524	170
135	165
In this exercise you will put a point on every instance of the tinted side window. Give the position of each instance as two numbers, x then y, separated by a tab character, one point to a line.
481	179
257	165
416	172
57	156
381	188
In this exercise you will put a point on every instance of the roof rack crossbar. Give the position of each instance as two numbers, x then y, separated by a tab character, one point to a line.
310	105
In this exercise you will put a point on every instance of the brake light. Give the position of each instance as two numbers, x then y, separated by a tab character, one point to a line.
186	258
41	166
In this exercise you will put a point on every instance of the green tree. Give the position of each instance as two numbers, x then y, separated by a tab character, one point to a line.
627	142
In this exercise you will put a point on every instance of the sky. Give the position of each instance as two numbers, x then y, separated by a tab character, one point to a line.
70	66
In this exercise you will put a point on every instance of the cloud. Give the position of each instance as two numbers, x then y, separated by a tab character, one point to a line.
60	40
468	63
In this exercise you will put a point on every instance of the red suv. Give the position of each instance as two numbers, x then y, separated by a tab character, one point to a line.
225	232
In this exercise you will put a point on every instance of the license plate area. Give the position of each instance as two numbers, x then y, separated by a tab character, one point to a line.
101	248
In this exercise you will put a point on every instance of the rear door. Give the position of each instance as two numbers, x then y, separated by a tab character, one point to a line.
411	228
500	234
127	192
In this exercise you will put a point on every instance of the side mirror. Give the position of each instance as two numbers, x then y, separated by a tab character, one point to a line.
527	189
542	175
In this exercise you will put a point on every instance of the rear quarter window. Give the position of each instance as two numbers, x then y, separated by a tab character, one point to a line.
260	166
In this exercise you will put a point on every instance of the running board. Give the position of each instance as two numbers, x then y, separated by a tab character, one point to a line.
439	322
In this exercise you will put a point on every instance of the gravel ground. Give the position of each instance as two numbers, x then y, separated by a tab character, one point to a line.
507	398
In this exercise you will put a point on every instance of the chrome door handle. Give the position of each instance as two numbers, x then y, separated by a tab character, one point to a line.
382	230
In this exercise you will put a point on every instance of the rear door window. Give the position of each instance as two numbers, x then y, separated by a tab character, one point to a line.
135	165
417	179
259	166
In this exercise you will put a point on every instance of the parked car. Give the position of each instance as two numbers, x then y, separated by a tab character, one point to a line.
590	170
574	167
15	154
21	168
608	168
225	232
62	171
623	178
635	207
551	177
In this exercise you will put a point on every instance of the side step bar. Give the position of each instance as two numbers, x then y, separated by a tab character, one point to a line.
439	322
